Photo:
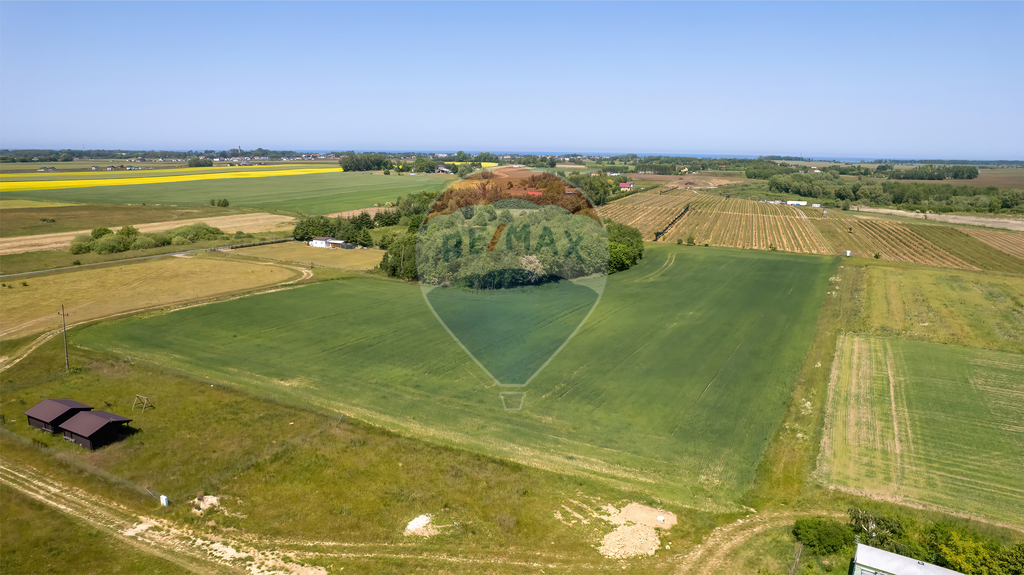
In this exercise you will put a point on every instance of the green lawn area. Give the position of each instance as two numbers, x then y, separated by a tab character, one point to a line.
927	424
309	193
674	386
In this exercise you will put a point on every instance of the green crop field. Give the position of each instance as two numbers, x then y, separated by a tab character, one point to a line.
927	424
31	220
965	308
674	386
308	193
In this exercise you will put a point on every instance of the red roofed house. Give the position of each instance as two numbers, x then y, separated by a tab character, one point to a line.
535	193
48	414
94	429
625	186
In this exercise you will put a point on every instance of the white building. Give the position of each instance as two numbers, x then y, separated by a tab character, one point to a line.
321	242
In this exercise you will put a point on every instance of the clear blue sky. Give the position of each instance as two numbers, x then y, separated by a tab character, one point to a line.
875	79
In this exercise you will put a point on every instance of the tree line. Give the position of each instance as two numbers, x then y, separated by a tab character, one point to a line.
946	543
935	172
104	241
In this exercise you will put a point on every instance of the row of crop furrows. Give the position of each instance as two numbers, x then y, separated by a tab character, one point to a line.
1006	242
897	242
748	224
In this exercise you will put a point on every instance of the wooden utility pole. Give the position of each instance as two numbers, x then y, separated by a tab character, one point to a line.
63	316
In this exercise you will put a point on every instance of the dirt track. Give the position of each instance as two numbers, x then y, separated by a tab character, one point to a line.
250	223
1002	223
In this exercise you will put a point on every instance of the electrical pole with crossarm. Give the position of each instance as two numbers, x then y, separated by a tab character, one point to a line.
67	364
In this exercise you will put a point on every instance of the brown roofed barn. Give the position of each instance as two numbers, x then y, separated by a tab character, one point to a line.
94	429
48	414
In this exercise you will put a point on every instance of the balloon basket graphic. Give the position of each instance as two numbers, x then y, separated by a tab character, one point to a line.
512	400
512	263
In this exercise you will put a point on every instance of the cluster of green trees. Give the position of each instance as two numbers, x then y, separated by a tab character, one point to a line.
625	247
933	172
534	161
851	170
820	185
541	245
104	241
764	169
535	230
221	203
949	544
200	163
355	230
600	188
365	162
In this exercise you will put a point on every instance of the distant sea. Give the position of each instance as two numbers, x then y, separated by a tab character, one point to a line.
550	153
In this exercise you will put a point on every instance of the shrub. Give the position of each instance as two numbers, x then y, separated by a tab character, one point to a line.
100	232
679	241
76	263
180	241
160	238
109	244
196	232
143	243
79	248
690	240
878	256
823	536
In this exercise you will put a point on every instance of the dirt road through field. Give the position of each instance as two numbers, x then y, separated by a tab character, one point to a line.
249	223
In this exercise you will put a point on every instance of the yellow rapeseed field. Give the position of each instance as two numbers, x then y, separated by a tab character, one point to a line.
64	184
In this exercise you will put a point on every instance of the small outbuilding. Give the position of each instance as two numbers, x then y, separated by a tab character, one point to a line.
340	244
94	429
49	414
320	242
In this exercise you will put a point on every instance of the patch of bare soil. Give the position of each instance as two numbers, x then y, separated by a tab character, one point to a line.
421	526
1003	223
635	534
250	223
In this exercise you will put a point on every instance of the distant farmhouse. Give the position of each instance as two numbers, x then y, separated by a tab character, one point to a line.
625	186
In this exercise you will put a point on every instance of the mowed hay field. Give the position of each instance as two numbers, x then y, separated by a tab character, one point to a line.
1006	242
927	424
313	193
93	293
963	308
674	386
302	253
